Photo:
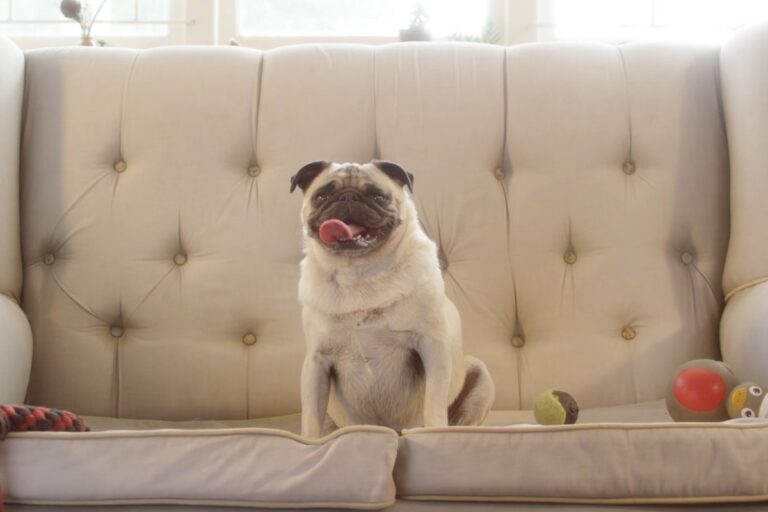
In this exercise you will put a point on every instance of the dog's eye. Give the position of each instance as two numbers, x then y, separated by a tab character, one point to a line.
320	198
381	198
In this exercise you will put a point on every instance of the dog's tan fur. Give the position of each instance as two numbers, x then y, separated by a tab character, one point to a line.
383	341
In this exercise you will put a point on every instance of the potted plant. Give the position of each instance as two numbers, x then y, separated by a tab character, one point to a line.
489	35
74	10
417	31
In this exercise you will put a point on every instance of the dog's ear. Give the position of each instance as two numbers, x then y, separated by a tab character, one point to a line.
307	174
396	173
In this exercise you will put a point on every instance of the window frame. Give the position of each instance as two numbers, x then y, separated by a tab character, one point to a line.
179	25
517	21
547	29
205	22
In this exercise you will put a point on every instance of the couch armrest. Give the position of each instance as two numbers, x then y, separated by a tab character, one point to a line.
744	334
15	333
15	351
744	79
11	98
744	326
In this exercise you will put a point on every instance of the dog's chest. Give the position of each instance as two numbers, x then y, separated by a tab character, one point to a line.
371	357
378	376
372	345
382	338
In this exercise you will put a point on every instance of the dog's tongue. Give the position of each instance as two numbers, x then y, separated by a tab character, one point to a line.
334	230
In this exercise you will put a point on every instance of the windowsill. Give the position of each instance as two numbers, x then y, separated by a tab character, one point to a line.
261	42
34	42
268	42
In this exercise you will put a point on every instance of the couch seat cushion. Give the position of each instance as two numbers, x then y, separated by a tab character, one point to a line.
630	454
201	463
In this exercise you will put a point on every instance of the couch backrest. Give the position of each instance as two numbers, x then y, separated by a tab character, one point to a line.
578	194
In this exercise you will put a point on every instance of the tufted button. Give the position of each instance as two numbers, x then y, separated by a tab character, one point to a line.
499	173
180	259
49	258
686	258
120	165
629	167
628	333
569	257
116	331
249	339
254	170
518	341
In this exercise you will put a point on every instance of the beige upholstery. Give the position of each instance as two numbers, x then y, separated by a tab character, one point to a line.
604	144
232	466
15	351
161	246
11	91
624	454
579	195
744	328
608	463
433	506
15	334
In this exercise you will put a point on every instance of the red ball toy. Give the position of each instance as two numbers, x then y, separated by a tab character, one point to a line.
699	391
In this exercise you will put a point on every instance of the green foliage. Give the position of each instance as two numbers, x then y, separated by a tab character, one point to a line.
489	34
419	16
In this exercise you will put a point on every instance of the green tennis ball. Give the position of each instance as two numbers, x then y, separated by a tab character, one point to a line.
554	407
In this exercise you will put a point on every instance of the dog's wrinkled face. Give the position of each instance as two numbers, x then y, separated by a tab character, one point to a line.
351	209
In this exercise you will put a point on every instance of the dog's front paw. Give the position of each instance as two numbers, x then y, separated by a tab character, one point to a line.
436	421
310	434
311	430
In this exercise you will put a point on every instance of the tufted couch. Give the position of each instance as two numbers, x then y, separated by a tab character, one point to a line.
599	212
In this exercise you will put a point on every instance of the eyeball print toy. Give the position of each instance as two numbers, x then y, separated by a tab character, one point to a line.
747	401
699	391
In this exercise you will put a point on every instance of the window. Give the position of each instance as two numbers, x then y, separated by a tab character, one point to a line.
117	20
621	20
378	18
269	23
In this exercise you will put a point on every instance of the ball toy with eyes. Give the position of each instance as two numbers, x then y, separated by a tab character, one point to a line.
747	401
699	391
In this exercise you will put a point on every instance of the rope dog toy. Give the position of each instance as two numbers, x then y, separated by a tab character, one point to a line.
24	418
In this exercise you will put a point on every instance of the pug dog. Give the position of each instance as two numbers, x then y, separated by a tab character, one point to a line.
383	341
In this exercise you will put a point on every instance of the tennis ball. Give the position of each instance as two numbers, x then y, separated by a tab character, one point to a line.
554	407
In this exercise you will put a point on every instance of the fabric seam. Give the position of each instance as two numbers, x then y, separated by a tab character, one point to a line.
365	505
202	433
592	501
541	429
744	286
